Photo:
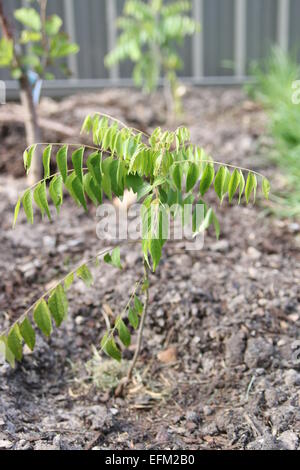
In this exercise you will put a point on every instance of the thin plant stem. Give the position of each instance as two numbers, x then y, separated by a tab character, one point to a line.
142	324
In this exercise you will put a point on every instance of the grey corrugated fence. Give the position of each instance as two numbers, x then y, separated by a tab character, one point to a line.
234	34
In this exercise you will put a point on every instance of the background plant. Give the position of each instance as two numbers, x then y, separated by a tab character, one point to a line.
150	35
274	89
37	47
163	169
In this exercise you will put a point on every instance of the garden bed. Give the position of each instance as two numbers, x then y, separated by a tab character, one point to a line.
225	318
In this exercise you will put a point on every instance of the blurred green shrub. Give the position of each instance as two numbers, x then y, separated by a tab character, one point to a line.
150	35
38	45
276	88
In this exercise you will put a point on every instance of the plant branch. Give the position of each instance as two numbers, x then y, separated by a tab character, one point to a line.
90	260
43	14
142	324
112	330
123	124
5	26
221	163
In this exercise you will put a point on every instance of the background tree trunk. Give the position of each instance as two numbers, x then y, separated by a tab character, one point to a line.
32	129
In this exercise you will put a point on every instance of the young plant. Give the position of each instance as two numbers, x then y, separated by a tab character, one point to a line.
150	35
168	174
28	55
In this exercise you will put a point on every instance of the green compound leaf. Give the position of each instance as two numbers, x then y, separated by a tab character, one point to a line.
29	17
207	178
251	185
69	281
7	353
27	157
138	305
14	342
266	187
192	177
62	162
85	275
27	204
42	317
28	333
114	259
79	192
177	176
106	183
16	213
40	198
77	160
53	25
56	192
46	161
133	318
124	333
58	305
155	252
87	125
220	182
242	186
233	184
110	348
92	189
94	166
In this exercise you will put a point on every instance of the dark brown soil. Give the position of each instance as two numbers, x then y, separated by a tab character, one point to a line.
230	312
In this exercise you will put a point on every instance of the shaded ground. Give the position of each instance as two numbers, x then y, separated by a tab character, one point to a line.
228	316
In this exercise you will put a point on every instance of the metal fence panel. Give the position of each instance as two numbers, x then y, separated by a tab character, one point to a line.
261	28
294	18
234	34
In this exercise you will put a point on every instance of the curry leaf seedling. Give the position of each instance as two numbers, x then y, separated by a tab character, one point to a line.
30	53
150	35
164	169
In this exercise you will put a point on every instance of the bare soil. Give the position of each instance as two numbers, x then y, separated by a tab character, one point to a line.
226	318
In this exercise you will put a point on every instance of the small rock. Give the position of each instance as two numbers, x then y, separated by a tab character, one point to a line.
234	348
266	442
221	246
258	353
57	441
23	445
289	439
162	435
294	317
271	397
190	426
253	253
79	320
253	273
41	445
98	416
5	444
49	242
207	410
292	378
210	430
192	416
168	356
294	228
